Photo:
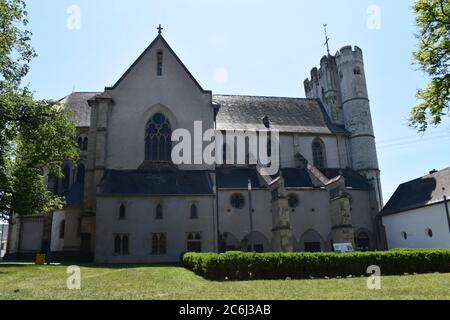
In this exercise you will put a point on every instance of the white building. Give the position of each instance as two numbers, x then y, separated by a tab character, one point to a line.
417	215
128	203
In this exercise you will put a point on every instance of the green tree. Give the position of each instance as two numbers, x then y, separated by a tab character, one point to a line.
432	57
35	135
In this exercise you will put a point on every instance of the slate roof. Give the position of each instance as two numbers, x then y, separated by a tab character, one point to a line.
353	180
293	115
78	103
237	178
139	182
419	193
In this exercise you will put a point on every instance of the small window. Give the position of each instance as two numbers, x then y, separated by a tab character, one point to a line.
237	200
356	71
124	244
318	151
429	232
121	244
159	244
85	144
405	235
117	244
122	212
62	229
293	201
194	212
159	65
159	212
194	242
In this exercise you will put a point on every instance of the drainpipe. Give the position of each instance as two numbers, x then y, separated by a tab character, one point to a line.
447	211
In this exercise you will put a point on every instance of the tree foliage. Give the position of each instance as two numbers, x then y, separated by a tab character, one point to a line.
35	135
432	57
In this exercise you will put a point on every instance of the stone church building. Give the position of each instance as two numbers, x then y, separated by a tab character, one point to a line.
128	203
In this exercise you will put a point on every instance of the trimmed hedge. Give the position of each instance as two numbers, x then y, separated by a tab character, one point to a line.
272	266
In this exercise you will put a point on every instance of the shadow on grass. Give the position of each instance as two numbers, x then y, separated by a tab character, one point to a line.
91	265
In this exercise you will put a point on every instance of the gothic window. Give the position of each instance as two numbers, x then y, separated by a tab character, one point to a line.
62	229
124	244
80	143
85	144
237	200
363	242
194	242
318	151
121	244
66	179
293	201
194	212
158	139
122	212
159	244
80	173
117	244
159	212
159	65
356	71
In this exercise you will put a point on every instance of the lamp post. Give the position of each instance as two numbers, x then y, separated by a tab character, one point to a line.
250	212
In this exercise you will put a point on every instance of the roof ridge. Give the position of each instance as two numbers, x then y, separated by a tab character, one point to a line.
269	97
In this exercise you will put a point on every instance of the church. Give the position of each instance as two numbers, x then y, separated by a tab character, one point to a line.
128	202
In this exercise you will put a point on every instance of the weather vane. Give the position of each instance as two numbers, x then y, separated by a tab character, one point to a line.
327	40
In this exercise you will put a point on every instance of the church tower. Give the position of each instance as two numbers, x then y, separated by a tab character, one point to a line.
340	84
357	116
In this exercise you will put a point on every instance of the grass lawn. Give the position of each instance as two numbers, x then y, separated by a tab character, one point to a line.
169	282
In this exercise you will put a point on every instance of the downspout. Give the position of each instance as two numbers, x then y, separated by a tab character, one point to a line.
447	212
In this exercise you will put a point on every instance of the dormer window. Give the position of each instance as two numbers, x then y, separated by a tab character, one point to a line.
159	65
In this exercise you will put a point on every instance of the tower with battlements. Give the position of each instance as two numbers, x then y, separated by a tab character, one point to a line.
340	84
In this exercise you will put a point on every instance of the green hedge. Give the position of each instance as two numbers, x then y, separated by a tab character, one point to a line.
245	266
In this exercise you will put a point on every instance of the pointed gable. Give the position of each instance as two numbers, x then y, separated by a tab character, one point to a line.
149	58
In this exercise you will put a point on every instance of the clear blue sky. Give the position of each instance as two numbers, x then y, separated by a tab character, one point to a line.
247	47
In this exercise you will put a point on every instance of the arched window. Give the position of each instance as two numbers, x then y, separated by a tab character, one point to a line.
194	242
117	244
80	142
125	244
356	71
155	244
85	144
62	229
122	212
158	139
66	179
80	173
363	242
318	151
194	212
159	65
162	244
159	212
